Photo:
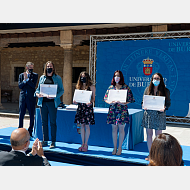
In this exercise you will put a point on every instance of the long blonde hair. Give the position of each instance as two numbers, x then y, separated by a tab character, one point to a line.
45	68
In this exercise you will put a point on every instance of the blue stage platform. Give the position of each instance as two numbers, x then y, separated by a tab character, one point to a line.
67	154
100	133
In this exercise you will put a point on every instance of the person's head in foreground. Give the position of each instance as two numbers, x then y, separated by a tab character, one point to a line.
20	139
165	151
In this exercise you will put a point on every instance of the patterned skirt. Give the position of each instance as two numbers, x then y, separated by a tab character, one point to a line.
118	115
154	120
84	114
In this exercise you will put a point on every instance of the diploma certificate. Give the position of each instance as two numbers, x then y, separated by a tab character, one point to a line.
48	90
72	107
82	96
153	102
117	95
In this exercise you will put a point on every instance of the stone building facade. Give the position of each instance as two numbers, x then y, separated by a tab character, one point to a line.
66	46
17	57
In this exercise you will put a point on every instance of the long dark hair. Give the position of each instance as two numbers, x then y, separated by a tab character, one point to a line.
165	151
161	86
88	80
45	68
121	82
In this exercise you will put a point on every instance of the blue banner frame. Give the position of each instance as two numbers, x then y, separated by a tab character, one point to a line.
170	57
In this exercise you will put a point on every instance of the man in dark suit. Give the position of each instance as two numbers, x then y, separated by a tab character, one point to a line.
20	141
27	83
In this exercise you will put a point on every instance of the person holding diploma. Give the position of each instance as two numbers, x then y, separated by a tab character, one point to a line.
48	105
118	114
85	114
153	119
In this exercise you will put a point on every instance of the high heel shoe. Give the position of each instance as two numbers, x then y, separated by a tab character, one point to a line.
114	151
119	151
80	148
85	148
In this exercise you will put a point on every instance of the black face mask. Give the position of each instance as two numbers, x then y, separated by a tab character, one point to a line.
49	70
30	70
83	79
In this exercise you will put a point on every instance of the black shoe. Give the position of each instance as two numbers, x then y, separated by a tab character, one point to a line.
52	145
44	143
30	132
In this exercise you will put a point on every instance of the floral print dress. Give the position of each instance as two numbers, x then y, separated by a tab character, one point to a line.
118	114
84	114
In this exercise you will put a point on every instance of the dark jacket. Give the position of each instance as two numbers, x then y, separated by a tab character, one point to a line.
16	158
167	101
28	87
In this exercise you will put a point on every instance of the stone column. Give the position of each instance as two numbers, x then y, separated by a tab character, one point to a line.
67	76
66	39
0	77
159	28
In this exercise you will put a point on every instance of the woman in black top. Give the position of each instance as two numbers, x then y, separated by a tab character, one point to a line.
48	105
153	119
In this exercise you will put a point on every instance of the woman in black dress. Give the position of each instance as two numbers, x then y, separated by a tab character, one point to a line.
85	114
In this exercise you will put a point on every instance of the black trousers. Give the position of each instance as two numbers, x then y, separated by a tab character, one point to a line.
48	109
24	103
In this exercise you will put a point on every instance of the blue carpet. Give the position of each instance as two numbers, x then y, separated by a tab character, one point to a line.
53	163
102	155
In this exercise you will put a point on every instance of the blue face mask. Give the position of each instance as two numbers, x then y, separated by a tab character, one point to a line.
156	82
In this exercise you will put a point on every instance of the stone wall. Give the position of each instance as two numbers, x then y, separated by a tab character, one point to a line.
81	56
17	57
80	59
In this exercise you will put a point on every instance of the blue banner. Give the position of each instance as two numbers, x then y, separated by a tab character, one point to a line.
138	61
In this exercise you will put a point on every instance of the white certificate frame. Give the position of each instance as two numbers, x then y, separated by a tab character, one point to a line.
48	90
117	95
82	96
153	102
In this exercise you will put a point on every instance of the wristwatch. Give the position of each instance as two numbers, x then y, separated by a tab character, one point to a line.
30	154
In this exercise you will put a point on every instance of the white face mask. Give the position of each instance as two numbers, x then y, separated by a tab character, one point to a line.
117	79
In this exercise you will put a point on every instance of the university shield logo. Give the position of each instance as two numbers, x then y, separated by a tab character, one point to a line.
147	68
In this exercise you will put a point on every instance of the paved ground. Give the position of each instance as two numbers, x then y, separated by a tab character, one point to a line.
180	132
12	122
9	114
9	118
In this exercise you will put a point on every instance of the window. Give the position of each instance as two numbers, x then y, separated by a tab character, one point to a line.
76	73
17	72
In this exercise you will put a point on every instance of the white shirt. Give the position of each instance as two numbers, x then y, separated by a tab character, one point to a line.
19	151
